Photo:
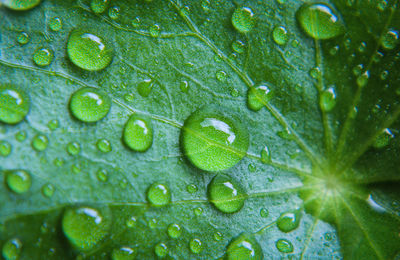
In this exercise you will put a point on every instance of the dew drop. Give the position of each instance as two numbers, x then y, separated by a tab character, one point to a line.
206	5
265	155
244	247
198	211
384	74
138	133
89	51
5	148
383	139
390	40
104	145
129	97
55	24
145	87
14	104
155	31
131	222
315	73
84	227
161	250
23	38
284	246
89	104
20	136
280	35
221	76
43	57
48	190
226	194
135	22
195	246
19	5
158	194
18	181
40	142
113	12
53	124
184	86
102	175
191	188
264	213
12	249
58	162
174	230
258	97
362	80
319	21
289	221
99	6
328	99
218	236
124	253
213	140
73	148
153	223
243	19
238	46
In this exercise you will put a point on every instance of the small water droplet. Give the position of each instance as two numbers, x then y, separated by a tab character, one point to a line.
155	31
196	246
218	236
102	175
99	6
113	12
76	168
48	190
174	230
280	35
334	50
382	4
243	19
104	145
315	73
152	223
58	162
138	133
12	249
284	246
20	136
18	181
244	247
55	24
23	38
383	139
265	155
285	134
73	148
362	80
289	221
184	86
206	5
43	57
145	87
53	124
5	148
135	22
158	194
191	188
264	213
161	250
198	211
390	40
15	104
238	46
40	142
358	69
258	97
89	104
221	76
131	222
328	99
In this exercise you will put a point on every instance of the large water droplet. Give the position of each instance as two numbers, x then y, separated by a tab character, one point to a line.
138	133
124	253
12	249
319	21
289	221
84	227
158	194
99	6
284	246
213	140
145	87
89	104
14	104
89	51
40	142
19	181
390	39
43	57
244	247
195	246
258	96
20	5
328	99
226	194
243	19
174	230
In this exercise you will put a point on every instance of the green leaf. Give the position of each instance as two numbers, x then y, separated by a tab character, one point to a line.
312	89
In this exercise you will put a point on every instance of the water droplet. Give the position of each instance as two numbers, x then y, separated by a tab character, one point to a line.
102	175
238	46
104	145
99	6
226	194
89	51
390	40
334	50
244	247
113	12
174	230
328	99
84	227
328	236
145	87
89	104
383	139
213	140
23	38
252	167
55	24
264	213
258	97
76	168
20	136
19	5
131	222
289	221
358	69
319	21
129	97
234	92
153	223
155	30
40	142
191	188
280	35
43	57
48	190
362	80
206	5
184	86
195	246
161	250
243	19
73	148
198	211
14	104
136	22
265	155
315	73
284	246
382	5
138	133
5	148
384	75
158	194
124	253
53	124
218	236
12	249
58	162
19	181
221	76
123	183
